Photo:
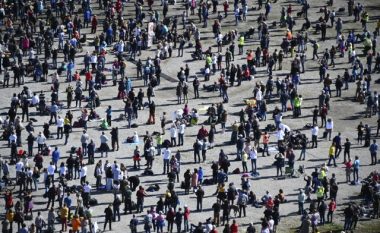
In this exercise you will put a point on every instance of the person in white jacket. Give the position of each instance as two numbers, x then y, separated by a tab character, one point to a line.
41	140
173	135
329	127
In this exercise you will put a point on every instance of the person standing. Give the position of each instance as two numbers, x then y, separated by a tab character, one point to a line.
373	150
84	141
314	136
115	138
109	115
216	209
196	88
116	208
242	202
103	144
108	217
347	147
181	132
200	194
166	155
301	201
64	216
56	155
163	122
197	147
348	215
60	124
140	194
173	135
322	212
91	152
152	112
178	220
356	169
332	208
266	137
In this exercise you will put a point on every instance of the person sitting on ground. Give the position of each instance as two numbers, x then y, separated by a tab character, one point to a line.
104	124
134	138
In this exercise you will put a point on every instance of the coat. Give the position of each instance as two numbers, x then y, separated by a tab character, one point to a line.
194	180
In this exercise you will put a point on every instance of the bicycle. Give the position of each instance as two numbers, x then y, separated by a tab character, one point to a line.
7	185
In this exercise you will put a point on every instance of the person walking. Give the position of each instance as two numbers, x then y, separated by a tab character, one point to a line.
332	154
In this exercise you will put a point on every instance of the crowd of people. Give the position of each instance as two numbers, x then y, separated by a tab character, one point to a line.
44	42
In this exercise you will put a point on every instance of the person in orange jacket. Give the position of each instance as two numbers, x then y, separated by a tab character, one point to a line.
75	224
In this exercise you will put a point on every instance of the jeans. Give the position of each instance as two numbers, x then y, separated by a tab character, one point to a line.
166	166
199	204
116	212
347	223
356	174
303	152
180	139
331	158
140	205
300	207
330	216
373	158
253	164
322	217
186	225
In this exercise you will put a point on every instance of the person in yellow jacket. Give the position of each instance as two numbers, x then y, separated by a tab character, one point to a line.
297	105
241	44
320	193
10	217
66	128
332	154
365	18
64	214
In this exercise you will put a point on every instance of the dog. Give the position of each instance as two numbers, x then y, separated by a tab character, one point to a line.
299	14
235	208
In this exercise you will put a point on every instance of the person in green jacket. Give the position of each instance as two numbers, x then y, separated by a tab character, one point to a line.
241	44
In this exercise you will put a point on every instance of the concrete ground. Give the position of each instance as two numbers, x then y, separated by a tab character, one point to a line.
344	110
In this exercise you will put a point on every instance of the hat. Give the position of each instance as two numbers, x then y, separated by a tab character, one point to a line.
185	206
